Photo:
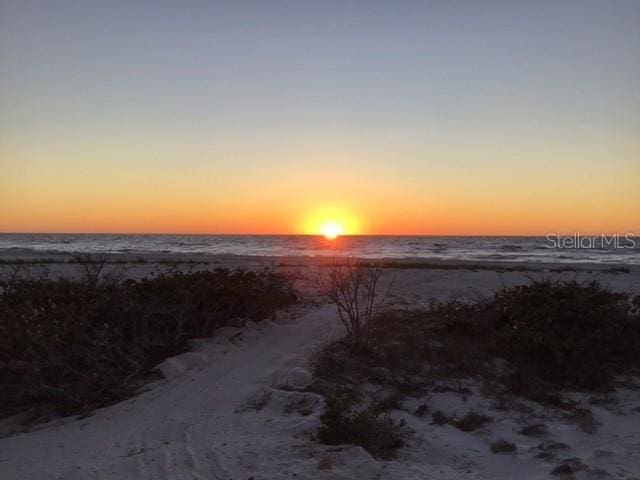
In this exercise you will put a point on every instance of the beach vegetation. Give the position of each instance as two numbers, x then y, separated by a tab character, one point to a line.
539	341
70	345
370	428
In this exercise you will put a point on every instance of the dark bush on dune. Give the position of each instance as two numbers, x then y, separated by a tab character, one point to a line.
578	335
199	302
550	336
373	430
71	346
553	336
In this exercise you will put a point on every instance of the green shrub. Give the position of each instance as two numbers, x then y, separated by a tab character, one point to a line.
62	343
73	345
552	335
566	332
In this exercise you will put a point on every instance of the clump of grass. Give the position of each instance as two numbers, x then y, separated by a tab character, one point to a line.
502	446
470	422
534	430
440	418
473	421
373	430
70	345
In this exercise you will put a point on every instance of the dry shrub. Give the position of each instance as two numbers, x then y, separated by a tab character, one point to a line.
89	265
353	289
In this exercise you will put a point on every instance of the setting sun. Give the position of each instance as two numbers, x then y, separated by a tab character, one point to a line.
331	230
331	221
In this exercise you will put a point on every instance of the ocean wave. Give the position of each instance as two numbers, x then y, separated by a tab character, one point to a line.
456	248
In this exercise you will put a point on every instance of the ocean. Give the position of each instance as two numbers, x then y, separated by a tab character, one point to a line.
569	249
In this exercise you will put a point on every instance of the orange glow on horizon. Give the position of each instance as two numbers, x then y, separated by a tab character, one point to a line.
107	201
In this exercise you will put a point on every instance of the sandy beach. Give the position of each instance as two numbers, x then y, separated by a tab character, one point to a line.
235	407
340	240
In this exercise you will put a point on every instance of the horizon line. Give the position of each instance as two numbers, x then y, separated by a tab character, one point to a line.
573	233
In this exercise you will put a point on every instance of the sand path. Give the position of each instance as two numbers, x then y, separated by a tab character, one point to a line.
204	424
237	412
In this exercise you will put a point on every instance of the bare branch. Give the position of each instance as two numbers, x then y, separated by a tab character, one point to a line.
90	265
352	288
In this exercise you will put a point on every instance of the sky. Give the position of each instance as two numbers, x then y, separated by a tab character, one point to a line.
383	117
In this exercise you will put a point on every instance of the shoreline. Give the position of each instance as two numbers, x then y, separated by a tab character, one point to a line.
35	257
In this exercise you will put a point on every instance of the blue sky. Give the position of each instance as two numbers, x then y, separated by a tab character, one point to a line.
485	102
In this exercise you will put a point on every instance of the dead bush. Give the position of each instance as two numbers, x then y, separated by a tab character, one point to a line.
353	289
